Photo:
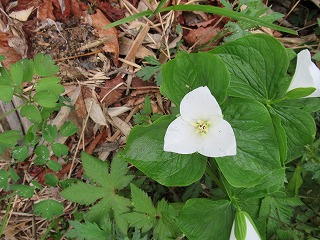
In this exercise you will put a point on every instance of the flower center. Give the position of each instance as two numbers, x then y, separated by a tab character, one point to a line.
202	127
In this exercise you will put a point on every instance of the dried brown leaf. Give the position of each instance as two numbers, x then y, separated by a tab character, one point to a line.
11	55
112	91
201	35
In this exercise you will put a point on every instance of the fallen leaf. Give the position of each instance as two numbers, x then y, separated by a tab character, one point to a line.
121	125
11	55
78	9
126	43
95	111
111	44
45	10
201	34
112	91
22	15
62	9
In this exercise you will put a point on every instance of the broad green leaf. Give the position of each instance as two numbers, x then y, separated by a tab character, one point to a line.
6	93
144	150
20	153
16	72
300	129
82	193
46	99
206	219
23	190
49	133
9	138
189	71
48	209
252	126
4	179
59	149
28	69
31	138
13	175
36	184
68	129
140	221
32	113
43	155
44	65
2	58
51	179
258	65
86	231
50	84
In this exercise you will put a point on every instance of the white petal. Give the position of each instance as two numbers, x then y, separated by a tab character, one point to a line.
251	231
219	140
182	138
199	104
306	74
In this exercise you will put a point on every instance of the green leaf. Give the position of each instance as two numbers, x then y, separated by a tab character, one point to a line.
141	202
240	228
46	99
119	168
44	66
9	138
23	190
147	107
20	153
16	72
50	84
13	175
4	179
258	65
252	125
32	113
299	126
43	155
86	231
144	150
32	138
2	58
82	193
28	69
189	71
59	149
6	93
68	129
299	93
296	181
36	184
51	179
206	219
48	209
49	133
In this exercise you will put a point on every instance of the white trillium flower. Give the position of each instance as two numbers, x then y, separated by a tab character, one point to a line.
200	127
251	232
306	75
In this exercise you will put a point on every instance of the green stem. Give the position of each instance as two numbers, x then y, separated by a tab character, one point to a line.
215	179
51	225
11	111
5	218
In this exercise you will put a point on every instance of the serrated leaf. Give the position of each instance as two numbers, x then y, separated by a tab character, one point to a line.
68	129
140	221
44	65
119	168
20	153
48	209
50	84
28	69
46	99
42	153
49	133
51	179
86	231
147	107
59	149
32	113
23	190
141	202
82	193
6	93
96	169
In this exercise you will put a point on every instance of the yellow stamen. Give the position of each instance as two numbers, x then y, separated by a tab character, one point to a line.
202	127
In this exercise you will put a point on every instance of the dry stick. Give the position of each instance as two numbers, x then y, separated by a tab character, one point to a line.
79	142
77	56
